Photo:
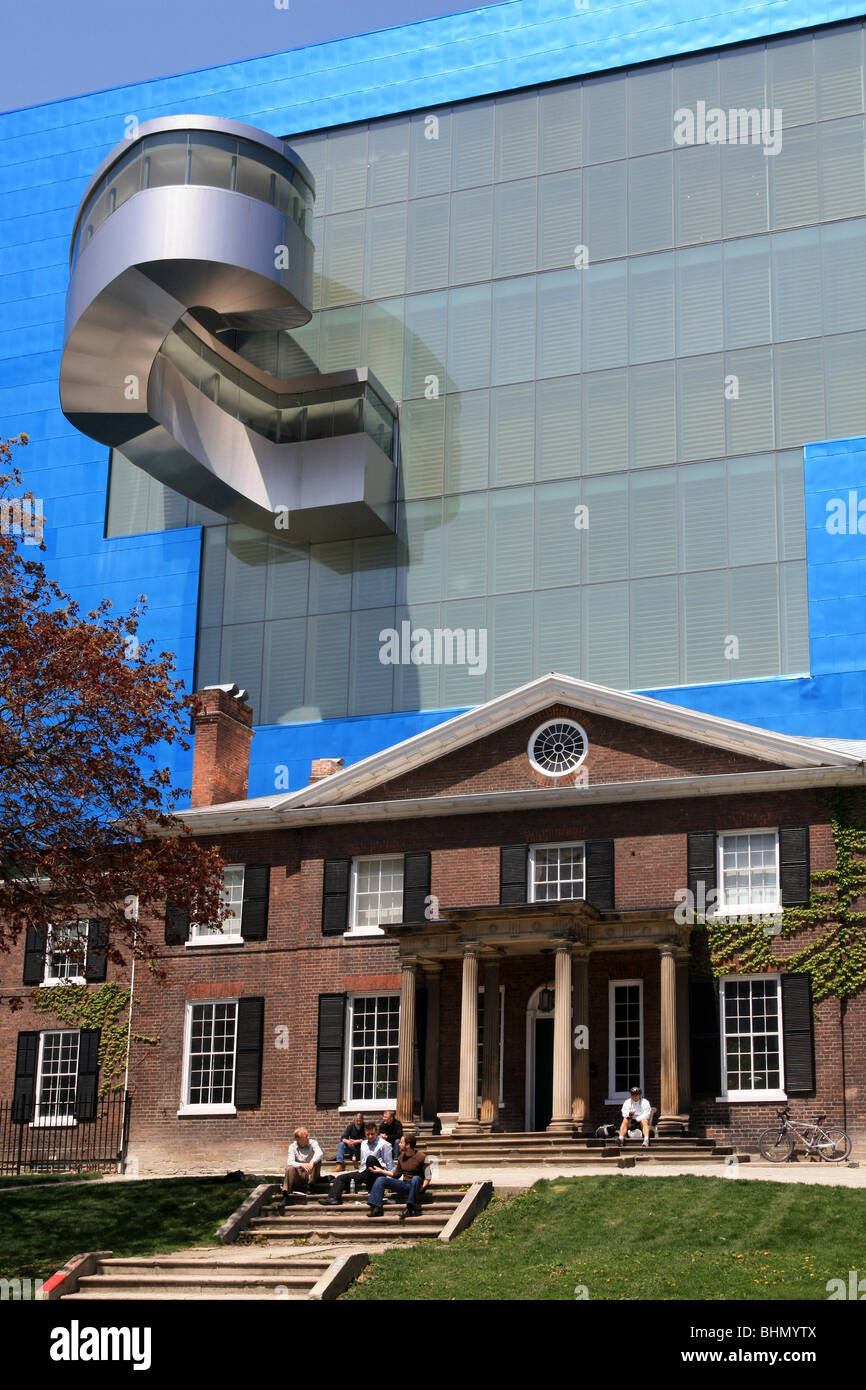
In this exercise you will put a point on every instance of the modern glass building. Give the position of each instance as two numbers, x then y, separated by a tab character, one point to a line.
589	281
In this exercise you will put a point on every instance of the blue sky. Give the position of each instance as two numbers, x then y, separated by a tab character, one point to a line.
58	49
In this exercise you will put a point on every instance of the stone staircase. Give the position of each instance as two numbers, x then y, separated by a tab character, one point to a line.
187	1277
306	1218
502	1151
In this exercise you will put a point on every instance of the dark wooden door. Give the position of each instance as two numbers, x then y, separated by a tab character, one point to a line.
543	1072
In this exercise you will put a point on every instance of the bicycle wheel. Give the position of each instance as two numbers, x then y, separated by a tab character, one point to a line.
776	1145
833	1145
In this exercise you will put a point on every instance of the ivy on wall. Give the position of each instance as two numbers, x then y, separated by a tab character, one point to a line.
105	1008
836	956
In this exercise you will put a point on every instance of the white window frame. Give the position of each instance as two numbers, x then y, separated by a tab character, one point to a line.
724	909
501	1045
353	928
557	844
615	1097
51	981
350	1104
740	1096
53	1121
222	937
219	1108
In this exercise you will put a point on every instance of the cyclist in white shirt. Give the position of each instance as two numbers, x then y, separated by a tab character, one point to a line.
635	1111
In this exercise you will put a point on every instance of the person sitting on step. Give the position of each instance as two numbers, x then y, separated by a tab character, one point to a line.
392	1130
376	1159
304	1163
351	1140
635	1111
410	1178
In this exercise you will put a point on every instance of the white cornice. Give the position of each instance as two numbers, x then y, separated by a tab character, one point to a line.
240	817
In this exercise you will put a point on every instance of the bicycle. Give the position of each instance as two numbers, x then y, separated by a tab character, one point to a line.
777	1144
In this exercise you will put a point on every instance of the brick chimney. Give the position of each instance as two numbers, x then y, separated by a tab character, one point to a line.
325	767
221	755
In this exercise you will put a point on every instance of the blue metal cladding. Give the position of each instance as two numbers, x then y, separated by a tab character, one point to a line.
47	155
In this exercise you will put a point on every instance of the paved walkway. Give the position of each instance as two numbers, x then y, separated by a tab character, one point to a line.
819	1174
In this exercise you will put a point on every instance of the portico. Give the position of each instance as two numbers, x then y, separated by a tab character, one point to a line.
569	941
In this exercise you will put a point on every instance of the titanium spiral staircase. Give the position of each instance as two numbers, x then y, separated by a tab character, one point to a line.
191	232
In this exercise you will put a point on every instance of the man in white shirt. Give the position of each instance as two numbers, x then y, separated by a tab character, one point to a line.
376	1158
303	1164
635	1111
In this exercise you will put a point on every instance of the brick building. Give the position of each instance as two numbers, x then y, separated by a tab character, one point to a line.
489	923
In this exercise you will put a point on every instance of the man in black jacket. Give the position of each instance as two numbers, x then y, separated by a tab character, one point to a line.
350	1143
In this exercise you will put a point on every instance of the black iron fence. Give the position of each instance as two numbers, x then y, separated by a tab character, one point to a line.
55	1142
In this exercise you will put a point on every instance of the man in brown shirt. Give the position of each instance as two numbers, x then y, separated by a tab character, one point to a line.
410	1177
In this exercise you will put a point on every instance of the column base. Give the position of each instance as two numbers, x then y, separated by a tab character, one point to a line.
464	1127
582	1128
564	1127
672	1125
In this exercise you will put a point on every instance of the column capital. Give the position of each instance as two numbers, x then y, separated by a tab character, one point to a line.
580	950
668	948
563	943
430	965
470	948
409	963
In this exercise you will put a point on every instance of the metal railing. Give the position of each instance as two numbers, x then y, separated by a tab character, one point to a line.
53	1141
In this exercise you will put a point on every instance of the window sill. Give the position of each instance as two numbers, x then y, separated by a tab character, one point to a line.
363	931
218	939
208	1110
618	1100
755	1097
69	980
365	1107
67	1123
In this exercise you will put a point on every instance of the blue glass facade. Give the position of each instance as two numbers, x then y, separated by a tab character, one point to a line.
47	155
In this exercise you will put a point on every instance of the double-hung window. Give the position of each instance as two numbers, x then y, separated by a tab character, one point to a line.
209	1058
227	932
66	953
748	873
372	1037
556	873
752	1060
625	1039
56	1077
376	895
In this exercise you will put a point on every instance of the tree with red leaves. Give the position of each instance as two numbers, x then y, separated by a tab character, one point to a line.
86	714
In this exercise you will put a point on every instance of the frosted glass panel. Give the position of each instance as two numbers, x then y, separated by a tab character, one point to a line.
794	611
370	680
561	127
839	72
423	448
467	440
752	509
558	348
288	578
797	284
472	145
604	121
843	257
467	683
386	252
704	628
845	364
246	575
747	292
374	578
605	540
556	632
388	170
699	300
701	407
794	179
419	528
651	303
746	188
605	421
516	136
653	633
330	576
843	193
791	74
605	316
698	193
471	235
605	218
512	429
464	561
799	369
559	219
417	686
557	428
382	326
652	513
650	203
343	279
424	343
346	183
428	242
326	686
755	620
791	508
557	542
604	635
341	339
653	414
702	510
650	109
283	669
430	153
241	661
509	642
469	338
510	540
515	228
514	330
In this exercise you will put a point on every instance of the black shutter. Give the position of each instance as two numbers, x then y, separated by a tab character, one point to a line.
329	1050
88	1074
335	896
24	1094
176	925
254	918
599	873
794	883
513	860
706	1042
34	956
701	869
97	946
798	1032
416	885
248	1066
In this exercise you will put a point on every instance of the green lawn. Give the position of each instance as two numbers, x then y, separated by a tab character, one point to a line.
26	1179
625	1237
41	1230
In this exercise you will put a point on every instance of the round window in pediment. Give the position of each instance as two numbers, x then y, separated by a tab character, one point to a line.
557	747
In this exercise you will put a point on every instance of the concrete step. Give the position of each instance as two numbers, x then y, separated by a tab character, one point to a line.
171	1296
308	1269
205	1283
357	1230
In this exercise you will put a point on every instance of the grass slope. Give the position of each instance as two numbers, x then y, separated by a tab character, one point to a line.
40	1179
40	1231
623	1237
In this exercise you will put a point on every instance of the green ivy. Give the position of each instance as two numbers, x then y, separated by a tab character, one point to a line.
836	957
105	1008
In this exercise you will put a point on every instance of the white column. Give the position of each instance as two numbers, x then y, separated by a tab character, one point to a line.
406	1044
562	1121
467	1119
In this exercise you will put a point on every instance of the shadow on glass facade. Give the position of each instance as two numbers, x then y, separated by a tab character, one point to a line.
609	349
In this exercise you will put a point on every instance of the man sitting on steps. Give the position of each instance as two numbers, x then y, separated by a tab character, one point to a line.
376	1159
635	1111
410	1177
304	1163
